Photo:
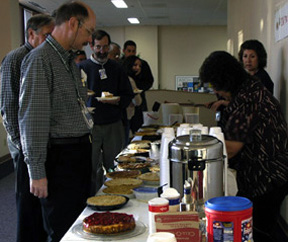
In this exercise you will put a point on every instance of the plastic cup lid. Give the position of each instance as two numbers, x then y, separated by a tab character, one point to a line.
161	237
170	193
158	201
229	203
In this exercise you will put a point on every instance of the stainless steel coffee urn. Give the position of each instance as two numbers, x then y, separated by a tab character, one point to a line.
200	158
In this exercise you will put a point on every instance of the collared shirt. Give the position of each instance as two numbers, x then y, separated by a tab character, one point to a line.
48	105
10	86
254	118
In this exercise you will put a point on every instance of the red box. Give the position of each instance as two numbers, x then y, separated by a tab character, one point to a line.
185	225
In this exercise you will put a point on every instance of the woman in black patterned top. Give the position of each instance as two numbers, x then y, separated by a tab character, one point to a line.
256	139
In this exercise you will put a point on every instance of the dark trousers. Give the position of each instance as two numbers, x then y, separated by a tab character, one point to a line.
68	170
266	212
29	216
136	121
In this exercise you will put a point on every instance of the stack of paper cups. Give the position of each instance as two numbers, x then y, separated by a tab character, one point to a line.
156	205
204	130
217	132
173	196
167	136
181	128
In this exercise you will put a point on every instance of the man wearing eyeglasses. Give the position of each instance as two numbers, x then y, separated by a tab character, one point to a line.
54	122
29	215
105	75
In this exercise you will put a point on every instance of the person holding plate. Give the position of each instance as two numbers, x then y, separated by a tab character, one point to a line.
105	76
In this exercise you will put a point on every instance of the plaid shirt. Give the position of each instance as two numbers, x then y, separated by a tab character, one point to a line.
48	105
10	86
254	118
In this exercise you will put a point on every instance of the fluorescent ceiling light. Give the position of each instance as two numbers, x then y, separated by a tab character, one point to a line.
133	20
119	3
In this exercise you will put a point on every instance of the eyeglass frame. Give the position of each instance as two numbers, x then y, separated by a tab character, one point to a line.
100	47
89	31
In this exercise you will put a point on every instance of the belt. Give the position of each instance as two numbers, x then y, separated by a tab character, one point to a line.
71	140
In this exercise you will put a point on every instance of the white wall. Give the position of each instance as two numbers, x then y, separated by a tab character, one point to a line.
172	50
182	50
10	39
10	26
146	38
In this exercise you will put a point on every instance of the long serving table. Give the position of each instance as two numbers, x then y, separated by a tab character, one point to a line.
135	207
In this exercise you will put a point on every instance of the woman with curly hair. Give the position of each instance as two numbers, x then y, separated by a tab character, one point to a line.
255	133
253	57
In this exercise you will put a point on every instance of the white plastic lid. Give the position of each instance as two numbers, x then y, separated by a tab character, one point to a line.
161	237
170	193
158	201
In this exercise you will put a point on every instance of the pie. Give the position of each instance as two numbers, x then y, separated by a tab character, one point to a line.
146	133
142	145
133	166
150	176
106	200
108	223
136	90
155	168
90	92
106	94
126	158
123	174
121	190
131	182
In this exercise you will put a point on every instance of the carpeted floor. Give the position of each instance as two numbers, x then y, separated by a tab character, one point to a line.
7	209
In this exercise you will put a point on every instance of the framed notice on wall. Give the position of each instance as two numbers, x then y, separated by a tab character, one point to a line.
281	21
187	83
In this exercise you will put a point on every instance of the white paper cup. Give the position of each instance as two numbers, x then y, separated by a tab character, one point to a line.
215	130
173	196
161	237
169	131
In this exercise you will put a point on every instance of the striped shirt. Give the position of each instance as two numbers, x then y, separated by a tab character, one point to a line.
254	118
48	105
10	86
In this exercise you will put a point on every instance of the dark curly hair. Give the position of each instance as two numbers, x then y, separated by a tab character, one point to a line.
223	71
128	64
258	47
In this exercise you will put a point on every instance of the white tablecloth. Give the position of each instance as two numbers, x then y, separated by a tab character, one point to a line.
135	207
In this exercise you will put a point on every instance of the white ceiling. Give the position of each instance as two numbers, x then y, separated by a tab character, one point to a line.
149	12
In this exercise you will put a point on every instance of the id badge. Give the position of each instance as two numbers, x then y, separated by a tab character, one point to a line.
102	73
86	114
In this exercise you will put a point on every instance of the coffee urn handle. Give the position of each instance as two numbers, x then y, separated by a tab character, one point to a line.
195	165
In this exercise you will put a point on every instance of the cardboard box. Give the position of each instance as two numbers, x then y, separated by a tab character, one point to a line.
185	225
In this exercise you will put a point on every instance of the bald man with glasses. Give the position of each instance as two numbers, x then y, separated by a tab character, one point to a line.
54	122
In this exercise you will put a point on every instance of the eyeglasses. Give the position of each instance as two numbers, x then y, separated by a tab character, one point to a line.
100	47
89	31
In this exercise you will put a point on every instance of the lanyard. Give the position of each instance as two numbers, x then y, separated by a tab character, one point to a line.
66	67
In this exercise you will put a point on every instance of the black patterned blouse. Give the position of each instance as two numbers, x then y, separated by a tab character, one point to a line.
254	118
